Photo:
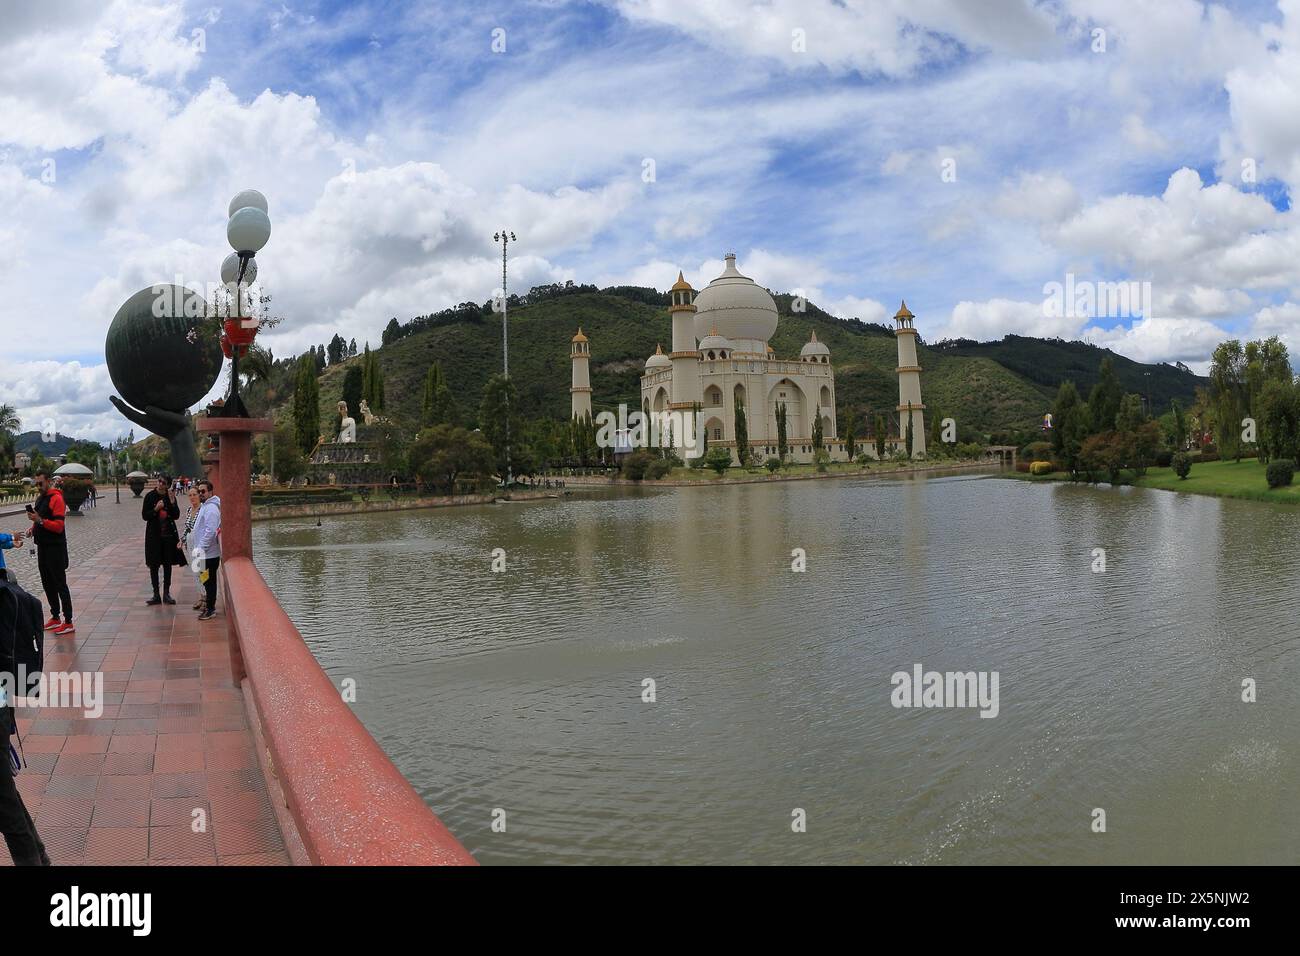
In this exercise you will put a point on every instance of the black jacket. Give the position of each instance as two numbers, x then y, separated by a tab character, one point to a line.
48	531
160	534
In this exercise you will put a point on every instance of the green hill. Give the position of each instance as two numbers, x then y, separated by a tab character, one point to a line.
33	441
993	388
1048	362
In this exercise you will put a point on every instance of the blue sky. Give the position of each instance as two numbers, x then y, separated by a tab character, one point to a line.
817	140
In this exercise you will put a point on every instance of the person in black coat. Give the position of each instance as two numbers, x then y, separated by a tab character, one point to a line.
20	613
160	511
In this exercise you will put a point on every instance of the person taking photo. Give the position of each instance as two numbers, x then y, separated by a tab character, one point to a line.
51	539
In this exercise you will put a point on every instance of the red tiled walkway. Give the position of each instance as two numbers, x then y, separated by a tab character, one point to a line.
174	738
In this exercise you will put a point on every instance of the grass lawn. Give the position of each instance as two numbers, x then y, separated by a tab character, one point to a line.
1222	479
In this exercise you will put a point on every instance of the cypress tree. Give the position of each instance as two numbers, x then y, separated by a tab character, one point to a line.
435	407
742	436
306	404
782	448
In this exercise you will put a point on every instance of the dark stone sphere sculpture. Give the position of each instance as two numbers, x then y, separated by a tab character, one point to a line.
162	361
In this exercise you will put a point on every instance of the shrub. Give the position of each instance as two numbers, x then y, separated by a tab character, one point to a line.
697	462
1279	473
1182	465
772	464
673	460
659	468
864	460
969	450
1036	450
719	459
1164	458
1040	468
1210	448
1208	456
1022	466
821	458
636	464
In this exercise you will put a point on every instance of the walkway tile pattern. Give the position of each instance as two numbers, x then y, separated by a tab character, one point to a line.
126	788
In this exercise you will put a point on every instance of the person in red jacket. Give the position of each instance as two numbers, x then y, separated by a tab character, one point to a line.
52	552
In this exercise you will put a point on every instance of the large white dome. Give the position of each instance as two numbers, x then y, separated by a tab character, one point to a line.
736	306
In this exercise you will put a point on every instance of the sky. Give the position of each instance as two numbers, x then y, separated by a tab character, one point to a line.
964	155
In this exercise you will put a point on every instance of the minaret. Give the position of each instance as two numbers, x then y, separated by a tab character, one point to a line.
909	382
580	353
685	356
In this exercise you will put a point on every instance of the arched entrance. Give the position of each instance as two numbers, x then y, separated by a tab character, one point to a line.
788	393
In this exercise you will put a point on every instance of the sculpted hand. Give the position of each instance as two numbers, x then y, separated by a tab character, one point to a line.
158	420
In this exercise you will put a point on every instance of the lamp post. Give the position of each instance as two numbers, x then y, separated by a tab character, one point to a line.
505	237
248	230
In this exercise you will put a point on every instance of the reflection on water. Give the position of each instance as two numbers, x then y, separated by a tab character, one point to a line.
1119	690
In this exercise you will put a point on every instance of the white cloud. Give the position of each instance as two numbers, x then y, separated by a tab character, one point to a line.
1192	233
893	37
387	182
73	397
1202	302
1160	339
1141	137
1038	197
998	317
1280	320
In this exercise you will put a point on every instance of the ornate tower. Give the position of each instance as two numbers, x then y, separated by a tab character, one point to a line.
909	381
580	354
685	356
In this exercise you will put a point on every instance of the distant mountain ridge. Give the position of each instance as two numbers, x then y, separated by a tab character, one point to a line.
30	440
989	388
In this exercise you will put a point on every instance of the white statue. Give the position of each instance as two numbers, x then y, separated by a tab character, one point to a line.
348	427
366	413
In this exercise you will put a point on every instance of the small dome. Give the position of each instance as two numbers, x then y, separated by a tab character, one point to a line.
714	341
814	348
681	285
579	337
658	360
903	312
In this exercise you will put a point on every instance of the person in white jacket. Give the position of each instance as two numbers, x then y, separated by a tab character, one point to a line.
205	546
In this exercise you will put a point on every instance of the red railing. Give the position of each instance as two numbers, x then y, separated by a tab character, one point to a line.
348	801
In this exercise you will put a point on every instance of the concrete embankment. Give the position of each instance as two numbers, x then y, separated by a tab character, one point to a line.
875	471
325	508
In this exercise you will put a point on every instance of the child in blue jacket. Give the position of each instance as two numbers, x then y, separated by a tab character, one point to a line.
8	541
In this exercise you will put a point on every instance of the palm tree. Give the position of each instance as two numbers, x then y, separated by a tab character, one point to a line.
9	420
256	366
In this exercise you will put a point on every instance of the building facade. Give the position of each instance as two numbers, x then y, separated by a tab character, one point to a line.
720	361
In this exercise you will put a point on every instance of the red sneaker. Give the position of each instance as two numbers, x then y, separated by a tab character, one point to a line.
52	623
65	628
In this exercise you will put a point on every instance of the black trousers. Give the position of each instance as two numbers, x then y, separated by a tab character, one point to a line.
210	585
53	566
167	578
16	824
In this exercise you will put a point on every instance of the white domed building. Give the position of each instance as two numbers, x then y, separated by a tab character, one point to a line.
721	360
